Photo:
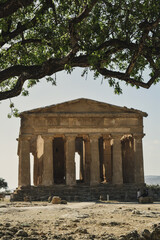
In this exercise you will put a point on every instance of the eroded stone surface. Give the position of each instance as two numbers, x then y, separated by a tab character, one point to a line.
107	138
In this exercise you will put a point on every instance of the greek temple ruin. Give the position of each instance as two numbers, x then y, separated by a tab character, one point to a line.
107	139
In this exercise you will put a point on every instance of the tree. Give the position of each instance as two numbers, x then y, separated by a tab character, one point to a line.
116	39
3	184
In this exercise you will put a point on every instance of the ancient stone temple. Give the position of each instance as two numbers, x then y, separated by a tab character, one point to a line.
106	138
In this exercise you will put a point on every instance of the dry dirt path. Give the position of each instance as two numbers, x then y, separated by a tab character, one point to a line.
87	220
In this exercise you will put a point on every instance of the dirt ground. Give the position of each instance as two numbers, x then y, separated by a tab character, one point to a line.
80	219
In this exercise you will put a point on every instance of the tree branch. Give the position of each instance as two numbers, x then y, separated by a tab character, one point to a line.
27	41
11	6
151	81
17	71
25	73
21	28
73	33
127	79
84	13
55	65
137	53
117	43
15	91
146	28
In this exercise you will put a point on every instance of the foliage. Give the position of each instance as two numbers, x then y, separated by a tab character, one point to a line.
116	39
3	183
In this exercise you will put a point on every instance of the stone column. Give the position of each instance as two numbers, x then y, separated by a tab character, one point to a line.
87	162
95	165
24	162
107	164
138	158
81	165
47	176
117	177
70	160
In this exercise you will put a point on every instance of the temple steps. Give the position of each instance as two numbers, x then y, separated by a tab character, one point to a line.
125	192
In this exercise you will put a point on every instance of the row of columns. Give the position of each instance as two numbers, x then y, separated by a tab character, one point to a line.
114	173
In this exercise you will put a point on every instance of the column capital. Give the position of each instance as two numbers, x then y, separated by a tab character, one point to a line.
24	137
107	137
138	135
86	138
94	136
116	136
47	137
127	136
70	136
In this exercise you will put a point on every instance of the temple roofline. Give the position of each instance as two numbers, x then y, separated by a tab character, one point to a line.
124	110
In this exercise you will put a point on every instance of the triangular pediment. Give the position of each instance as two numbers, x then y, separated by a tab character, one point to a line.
83	105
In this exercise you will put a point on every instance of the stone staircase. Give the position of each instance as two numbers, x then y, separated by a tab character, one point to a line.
80	192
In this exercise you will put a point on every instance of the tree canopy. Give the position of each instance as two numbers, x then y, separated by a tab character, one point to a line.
3	183
116	39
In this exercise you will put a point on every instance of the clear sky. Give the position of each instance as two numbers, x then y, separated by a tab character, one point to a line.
74	86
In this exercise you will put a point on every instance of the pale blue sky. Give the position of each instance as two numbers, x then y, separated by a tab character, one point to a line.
71	87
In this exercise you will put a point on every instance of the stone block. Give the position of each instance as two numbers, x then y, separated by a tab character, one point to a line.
63	202
56	200
49	199
145	200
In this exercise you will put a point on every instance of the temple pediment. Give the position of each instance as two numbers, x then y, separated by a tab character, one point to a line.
83	105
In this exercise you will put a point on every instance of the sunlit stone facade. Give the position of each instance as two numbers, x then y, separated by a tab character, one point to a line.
107	138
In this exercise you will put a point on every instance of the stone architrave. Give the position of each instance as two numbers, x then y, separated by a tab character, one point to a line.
70	160
117	177
95	164
47	176
24	162
138	156
107	163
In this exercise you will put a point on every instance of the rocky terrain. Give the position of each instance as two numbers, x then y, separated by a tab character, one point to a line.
102	220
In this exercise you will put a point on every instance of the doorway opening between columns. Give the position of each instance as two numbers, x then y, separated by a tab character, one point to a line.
79	160
32	169
59	172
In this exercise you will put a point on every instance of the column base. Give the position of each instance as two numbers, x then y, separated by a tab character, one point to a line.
71	184
94	183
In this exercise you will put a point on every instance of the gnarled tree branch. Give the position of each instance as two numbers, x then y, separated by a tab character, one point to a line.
127	79
22	27
11	6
